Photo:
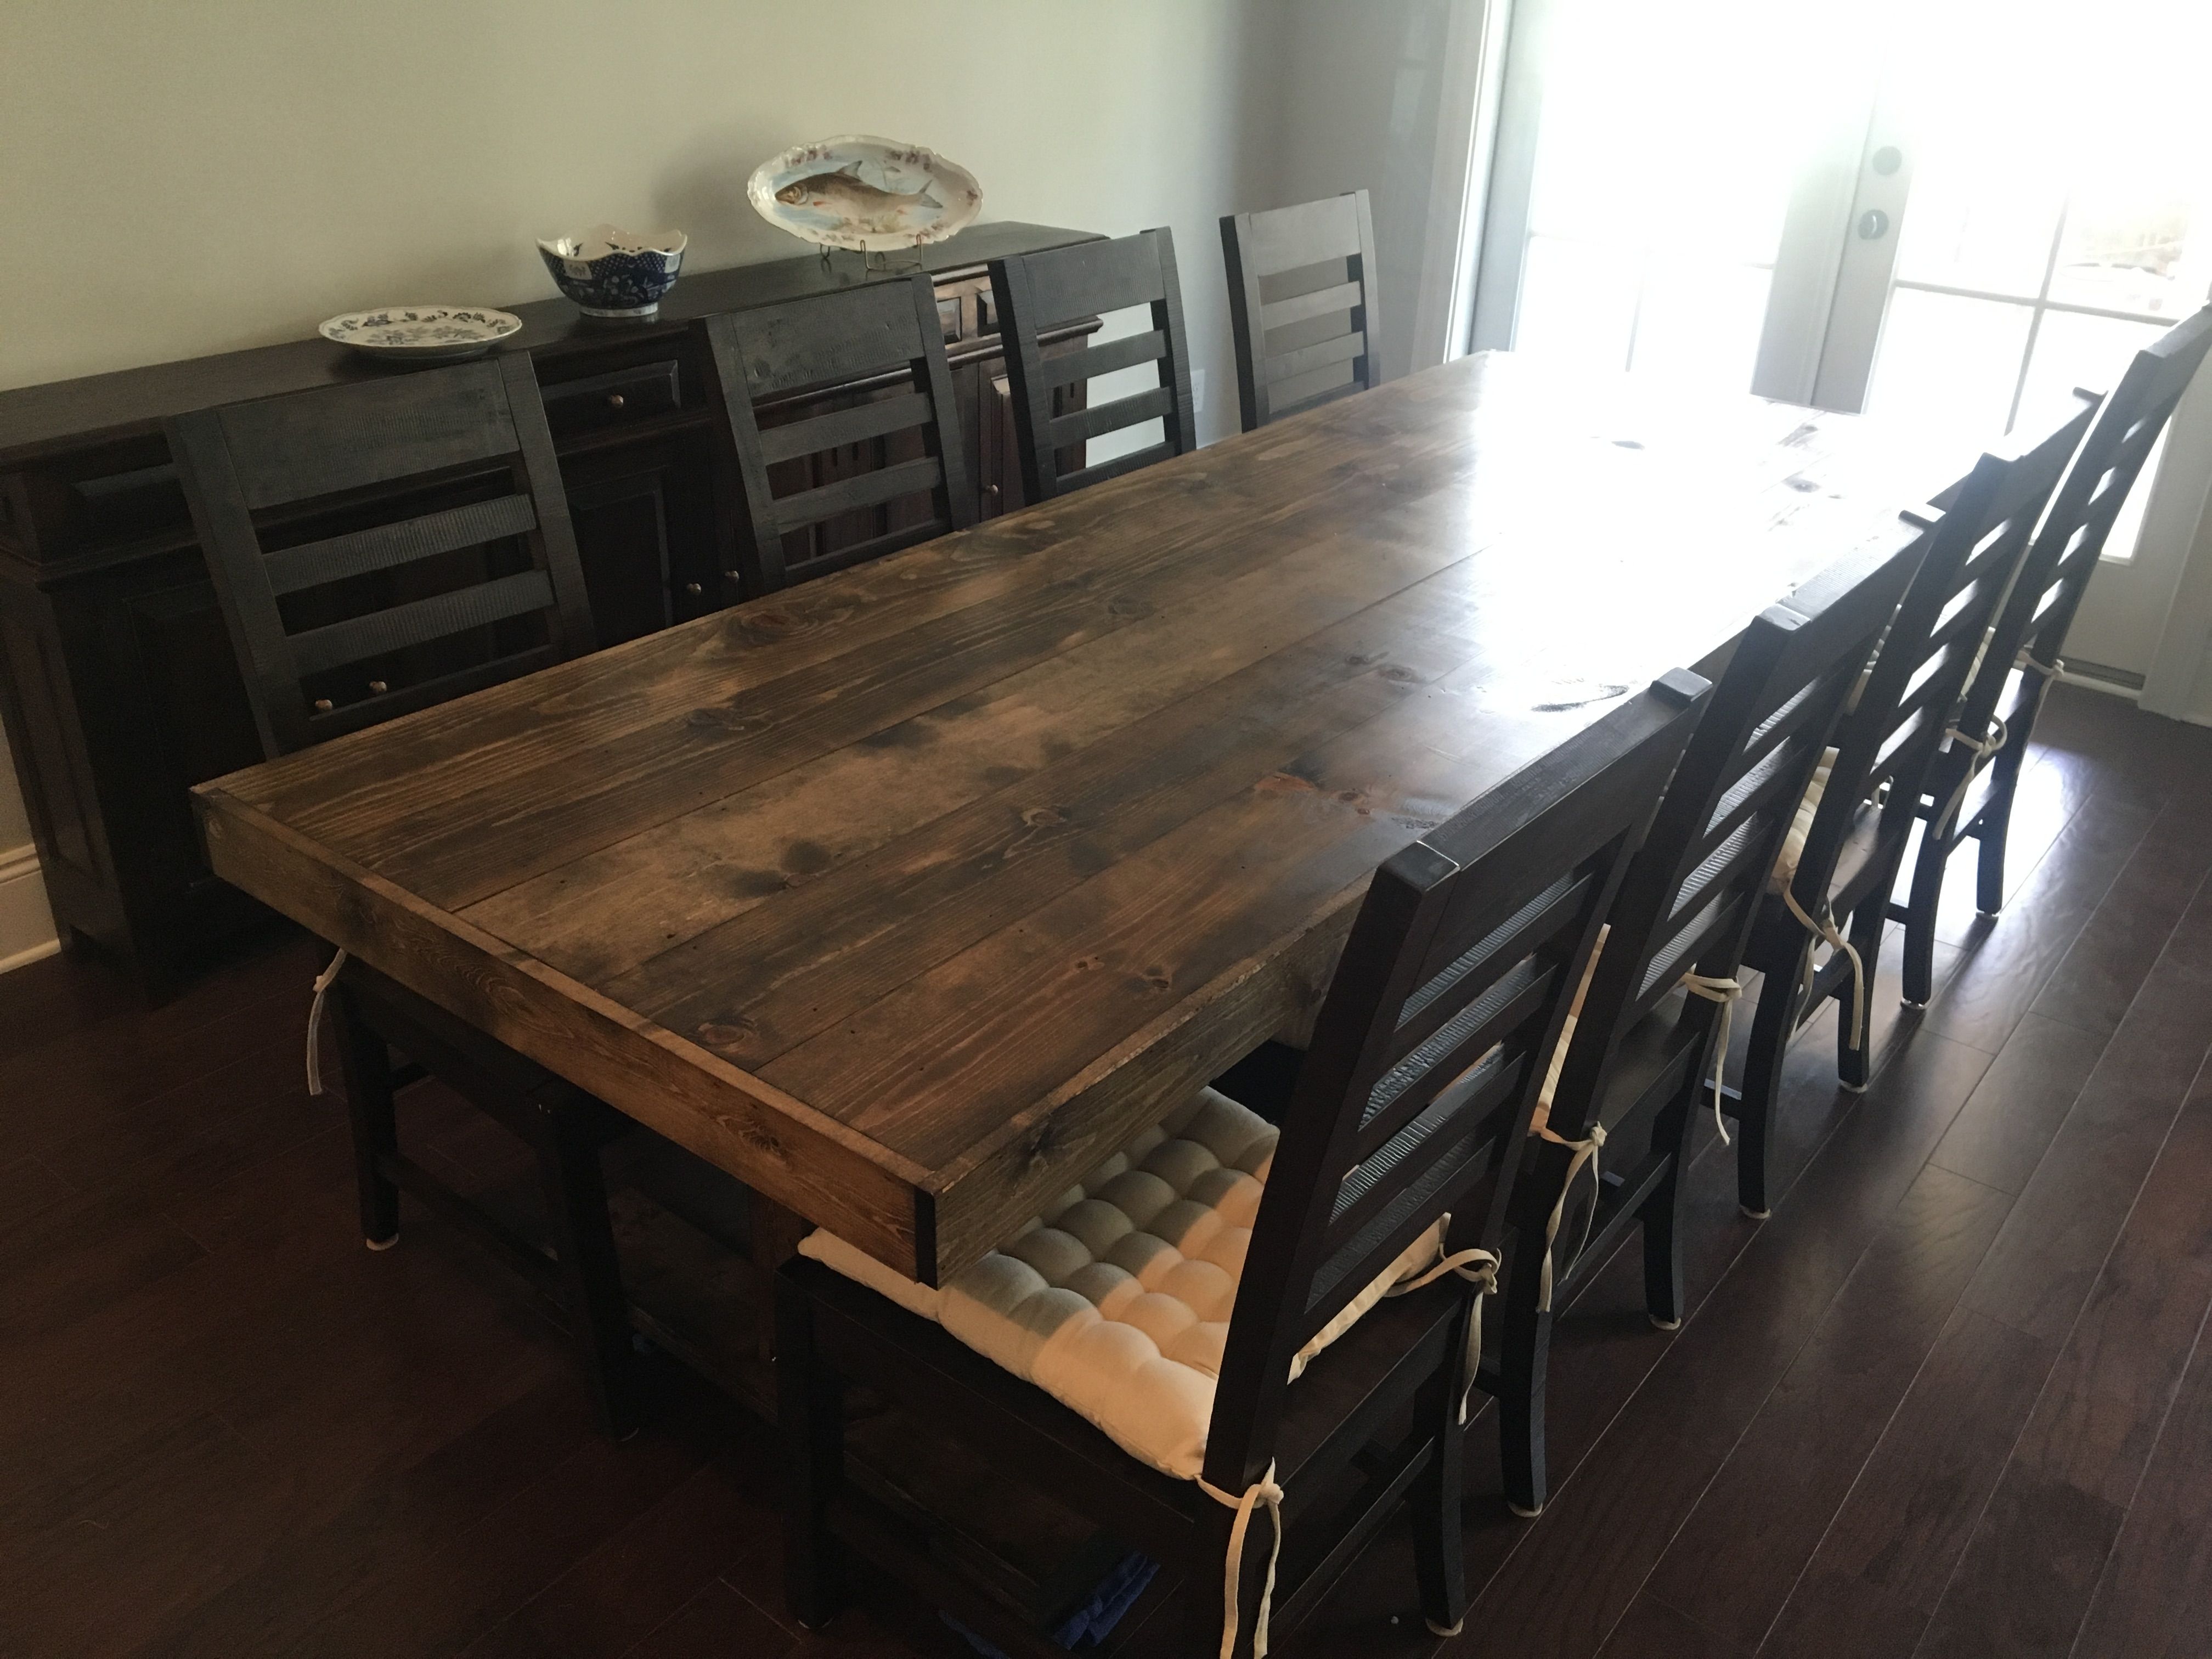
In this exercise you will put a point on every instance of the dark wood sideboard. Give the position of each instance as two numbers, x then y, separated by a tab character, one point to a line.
117	682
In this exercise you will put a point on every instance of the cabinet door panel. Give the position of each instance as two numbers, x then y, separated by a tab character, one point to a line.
645	532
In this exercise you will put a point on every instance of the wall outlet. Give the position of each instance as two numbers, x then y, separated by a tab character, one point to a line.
1198	392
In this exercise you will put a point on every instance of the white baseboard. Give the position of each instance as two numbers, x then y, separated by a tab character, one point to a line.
26	925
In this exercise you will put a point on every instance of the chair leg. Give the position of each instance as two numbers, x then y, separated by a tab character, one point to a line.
576	1194
1439	1551
1927	872
1996	822
1524	1358
1760	1099
367	1068
1663	1250
810	1411
1854	1060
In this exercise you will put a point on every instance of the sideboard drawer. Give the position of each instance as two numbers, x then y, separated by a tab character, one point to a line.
604	400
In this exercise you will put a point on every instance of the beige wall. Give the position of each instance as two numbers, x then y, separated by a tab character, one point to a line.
180	177
191	176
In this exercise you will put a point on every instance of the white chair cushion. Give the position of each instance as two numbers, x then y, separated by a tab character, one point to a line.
1116	1300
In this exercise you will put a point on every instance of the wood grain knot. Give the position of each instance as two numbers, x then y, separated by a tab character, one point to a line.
1399	674
1043	1145
1802	484
1043	818
727	722
807	857
1089	964
1285	783
735	1036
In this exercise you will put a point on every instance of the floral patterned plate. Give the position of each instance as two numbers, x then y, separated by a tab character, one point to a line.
421	334
873	194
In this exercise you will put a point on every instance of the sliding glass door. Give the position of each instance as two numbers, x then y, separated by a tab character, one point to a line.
1947	212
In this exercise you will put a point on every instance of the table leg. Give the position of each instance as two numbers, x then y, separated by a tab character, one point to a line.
575	1195
776	1232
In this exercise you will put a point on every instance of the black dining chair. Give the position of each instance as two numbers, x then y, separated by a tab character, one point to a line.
856	483
1374	1218
1302	305
1642	1045
1832	885
379	548
1038	293
1974	778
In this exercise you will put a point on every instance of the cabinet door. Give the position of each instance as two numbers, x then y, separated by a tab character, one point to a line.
643	519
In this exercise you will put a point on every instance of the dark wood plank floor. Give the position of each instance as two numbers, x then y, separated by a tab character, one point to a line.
1950	1401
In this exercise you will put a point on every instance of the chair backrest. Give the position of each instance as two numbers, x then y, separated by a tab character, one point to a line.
1692	890
2064	555
1038	292
1301	305
383	546
1433	1042
1911	693
897	457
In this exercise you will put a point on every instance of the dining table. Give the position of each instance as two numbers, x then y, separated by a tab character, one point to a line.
908	895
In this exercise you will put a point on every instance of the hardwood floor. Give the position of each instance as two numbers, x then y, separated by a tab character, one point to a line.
1951	1400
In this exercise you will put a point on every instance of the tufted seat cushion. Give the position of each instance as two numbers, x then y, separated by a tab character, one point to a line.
1116	1300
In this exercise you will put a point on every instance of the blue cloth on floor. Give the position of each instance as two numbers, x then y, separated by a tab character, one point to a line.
1094	1621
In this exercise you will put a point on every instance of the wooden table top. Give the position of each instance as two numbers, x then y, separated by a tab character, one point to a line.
909	893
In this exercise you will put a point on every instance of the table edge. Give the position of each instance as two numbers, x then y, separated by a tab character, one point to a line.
790	1152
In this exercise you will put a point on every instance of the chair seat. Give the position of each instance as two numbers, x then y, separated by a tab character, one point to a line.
1116	1300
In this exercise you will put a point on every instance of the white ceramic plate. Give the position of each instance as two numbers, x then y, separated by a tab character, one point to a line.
868	193
423	334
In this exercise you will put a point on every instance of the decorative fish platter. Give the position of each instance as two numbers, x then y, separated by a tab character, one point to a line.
872	194
423	334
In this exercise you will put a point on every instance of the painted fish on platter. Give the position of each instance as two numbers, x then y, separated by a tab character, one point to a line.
872	194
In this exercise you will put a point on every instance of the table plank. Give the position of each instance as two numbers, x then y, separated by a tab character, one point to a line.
908	895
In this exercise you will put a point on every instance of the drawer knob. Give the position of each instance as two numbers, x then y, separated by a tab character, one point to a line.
614	400
323	705
693	589
378	687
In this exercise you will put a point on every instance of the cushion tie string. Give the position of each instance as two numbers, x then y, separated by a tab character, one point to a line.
1262	1490
1585	1152
1982	751
1479	1269
323	982
1826	928
2046	672
1725	992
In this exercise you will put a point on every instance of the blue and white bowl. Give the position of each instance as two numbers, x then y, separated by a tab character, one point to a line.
613	273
